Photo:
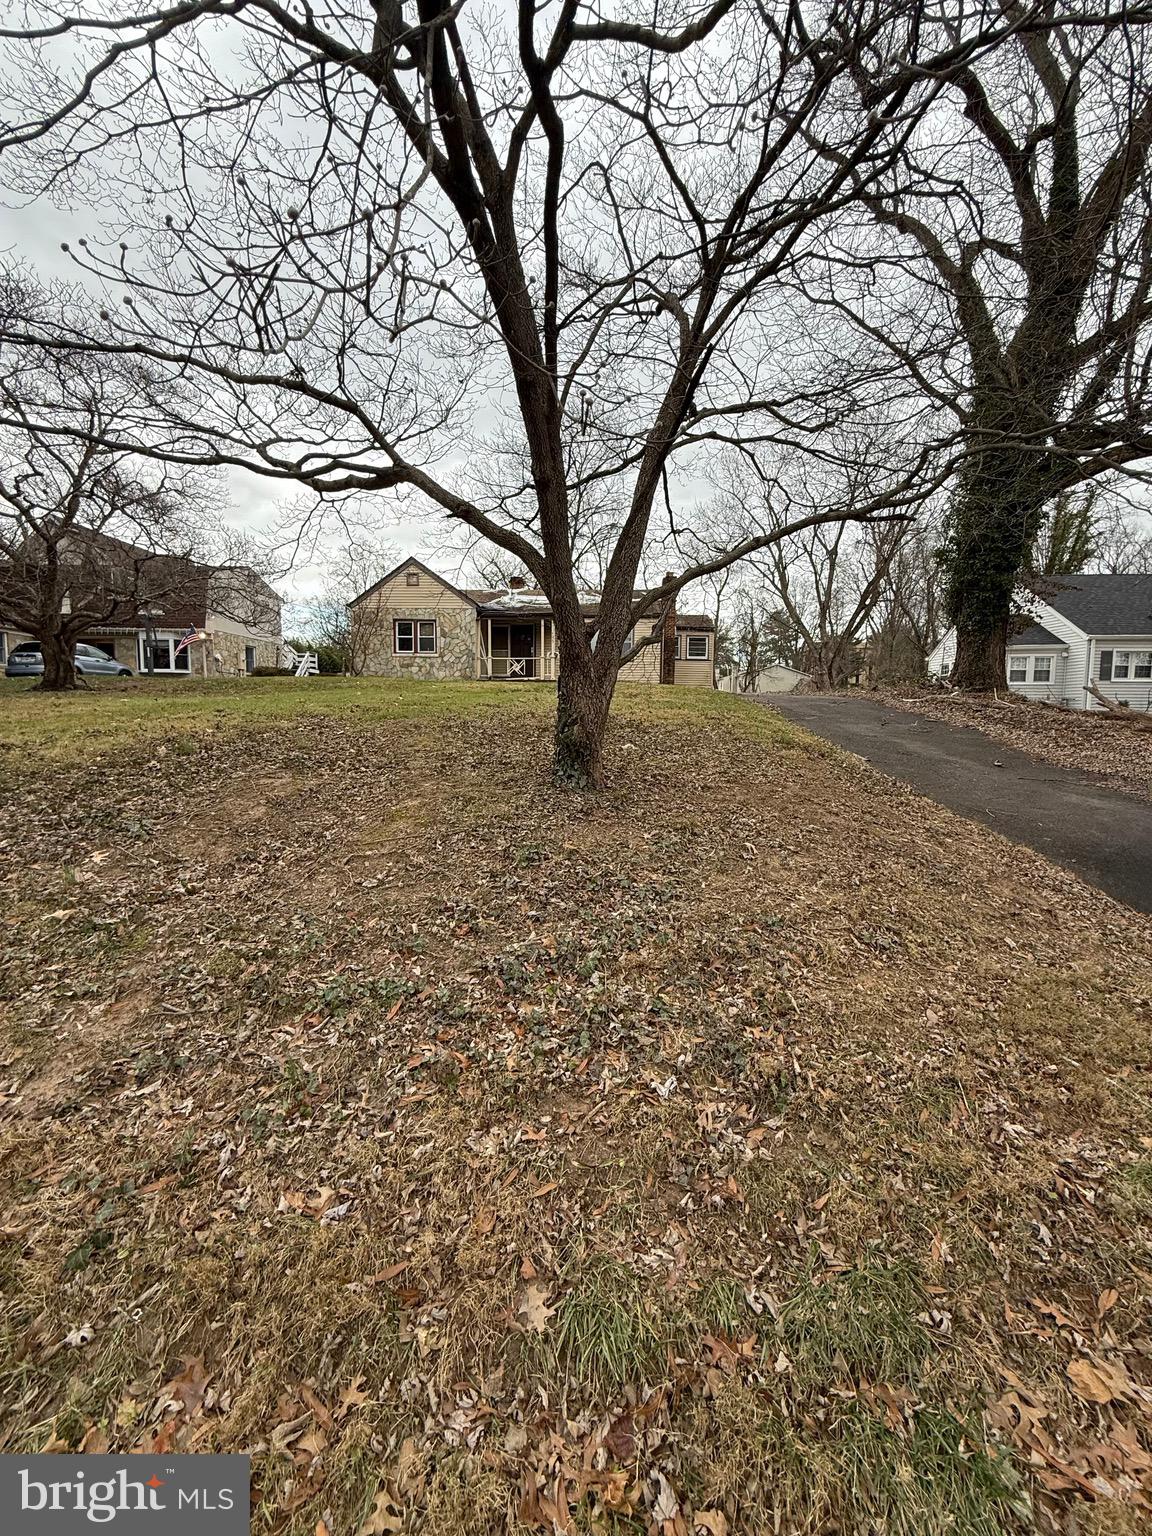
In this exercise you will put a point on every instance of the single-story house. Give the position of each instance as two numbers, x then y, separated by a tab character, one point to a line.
415	623
775	678
1089	630
234	614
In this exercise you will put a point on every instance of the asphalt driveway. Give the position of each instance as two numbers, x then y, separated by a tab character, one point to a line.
1103	836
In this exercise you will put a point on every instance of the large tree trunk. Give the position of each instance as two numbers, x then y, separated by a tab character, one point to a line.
583	699
59	665
994	524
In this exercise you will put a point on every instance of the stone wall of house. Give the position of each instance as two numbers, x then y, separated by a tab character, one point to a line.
226	653
455	655
123	646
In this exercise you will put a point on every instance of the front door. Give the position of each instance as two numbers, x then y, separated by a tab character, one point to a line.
521	650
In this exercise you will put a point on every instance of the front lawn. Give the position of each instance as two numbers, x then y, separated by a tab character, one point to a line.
754	1148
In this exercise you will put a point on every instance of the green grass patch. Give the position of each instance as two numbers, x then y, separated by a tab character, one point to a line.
114	713
607	1331
860	1323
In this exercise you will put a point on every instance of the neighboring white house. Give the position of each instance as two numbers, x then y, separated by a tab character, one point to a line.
1095	629
776	678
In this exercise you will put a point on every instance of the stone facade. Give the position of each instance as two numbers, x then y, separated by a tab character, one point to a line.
226	653
455	636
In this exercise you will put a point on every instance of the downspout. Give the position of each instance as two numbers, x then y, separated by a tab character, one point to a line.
1088	674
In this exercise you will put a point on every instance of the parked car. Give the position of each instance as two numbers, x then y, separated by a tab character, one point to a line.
27	660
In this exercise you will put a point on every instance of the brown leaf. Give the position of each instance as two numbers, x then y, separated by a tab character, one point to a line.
95	1442
1106	1300
319	1412
714	1521
1100	1381
620	1441
384	1518
352	1397
534	1310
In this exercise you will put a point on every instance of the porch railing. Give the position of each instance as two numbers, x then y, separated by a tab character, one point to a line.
524	669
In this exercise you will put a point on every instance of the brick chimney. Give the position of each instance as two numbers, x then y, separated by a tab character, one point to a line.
516	583
668	640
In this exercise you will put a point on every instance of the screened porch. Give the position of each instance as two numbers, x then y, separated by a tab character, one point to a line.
517	650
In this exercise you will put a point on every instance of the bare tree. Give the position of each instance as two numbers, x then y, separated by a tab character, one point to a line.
89	536
373	222
829	582
908	618
1088	529
1009	268
350	632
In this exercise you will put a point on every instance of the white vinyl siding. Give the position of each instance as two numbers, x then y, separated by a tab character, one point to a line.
1133	690
1038	673
1074	674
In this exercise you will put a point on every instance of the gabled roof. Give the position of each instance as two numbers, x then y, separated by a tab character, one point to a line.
1034	635
1105	605
420	566
517	602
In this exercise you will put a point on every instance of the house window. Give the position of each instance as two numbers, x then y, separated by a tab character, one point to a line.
249	658
412	636
412	579
697	647
1041	669
945	668
1120	664
1142	664
163	659
1017	669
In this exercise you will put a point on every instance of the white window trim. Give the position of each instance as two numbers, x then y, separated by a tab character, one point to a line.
171	641
692	640
1028	662
415	651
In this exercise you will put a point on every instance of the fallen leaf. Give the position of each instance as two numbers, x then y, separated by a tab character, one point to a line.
352	1397
384	1518
534	1309
1099	1381
714	1521
666	1505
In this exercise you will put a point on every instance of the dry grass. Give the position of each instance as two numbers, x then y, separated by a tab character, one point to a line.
755	1148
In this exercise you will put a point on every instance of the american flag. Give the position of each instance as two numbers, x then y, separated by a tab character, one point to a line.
186	639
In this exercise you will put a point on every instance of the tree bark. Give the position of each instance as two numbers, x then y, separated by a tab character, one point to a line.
583	699
995	520
59	665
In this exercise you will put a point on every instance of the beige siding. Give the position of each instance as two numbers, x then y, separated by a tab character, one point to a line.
456	634
696	674
646	667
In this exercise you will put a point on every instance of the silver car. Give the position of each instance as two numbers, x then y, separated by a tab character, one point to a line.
27	660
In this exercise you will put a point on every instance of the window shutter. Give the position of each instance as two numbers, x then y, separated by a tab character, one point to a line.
1105	666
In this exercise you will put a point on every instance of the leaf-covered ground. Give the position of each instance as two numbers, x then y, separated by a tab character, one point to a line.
1087	741
756	1148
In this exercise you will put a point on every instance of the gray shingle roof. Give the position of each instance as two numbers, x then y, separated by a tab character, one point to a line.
1033	635
1105	605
